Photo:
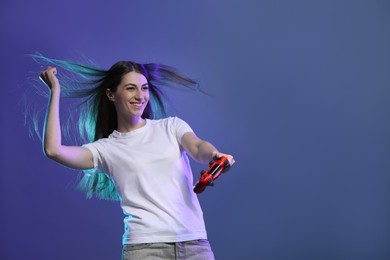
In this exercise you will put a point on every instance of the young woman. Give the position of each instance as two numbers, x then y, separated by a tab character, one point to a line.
133	157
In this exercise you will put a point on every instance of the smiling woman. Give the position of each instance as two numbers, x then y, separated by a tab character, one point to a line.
130	99
134	153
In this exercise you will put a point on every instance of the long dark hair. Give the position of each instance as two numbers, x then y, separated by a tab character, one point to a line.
97	115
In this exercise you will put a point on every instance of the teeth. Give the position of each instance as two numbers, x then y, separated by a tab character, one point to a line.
139	105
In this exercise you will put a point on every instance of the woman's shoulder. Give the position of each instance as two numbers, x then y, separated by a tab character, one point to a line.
172	125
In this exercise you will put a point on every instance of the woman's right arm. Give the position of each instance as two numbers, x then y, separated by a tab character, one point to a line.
75	157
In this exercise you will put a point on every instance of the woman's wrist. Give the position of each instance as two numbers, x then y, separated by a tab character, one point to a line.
55	90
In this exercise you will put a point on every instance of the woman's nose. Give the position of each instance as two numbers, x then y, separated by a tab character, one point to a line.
138	94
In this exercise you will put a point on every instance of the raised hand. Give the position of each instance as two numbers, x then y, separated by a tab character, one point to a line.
49	78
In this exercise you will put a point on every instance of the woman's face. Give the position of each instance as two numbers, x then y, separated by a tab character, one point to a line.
131	95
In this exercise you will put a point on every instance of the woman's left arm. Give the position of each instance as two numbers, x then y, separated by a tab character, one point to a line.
200	150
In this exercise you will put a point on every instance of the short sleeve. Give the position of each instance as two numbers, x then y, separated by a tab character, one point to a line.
180	128
98	151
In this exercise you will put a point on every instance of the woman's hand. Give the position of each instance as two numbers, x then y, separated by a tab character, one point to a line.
228	156
50	79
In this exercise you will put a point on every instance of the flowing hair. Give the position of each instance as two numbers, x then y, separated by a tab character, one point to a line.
95	115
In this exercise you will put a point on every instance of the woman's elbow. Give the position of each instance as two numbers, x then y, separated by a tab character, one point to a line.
51	153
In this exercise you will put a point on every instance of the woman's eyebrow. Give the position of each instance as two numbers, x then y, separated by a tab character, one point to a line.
134	85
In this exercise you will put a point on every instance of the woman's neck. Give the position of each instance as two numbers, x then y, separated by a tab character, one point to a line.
131	124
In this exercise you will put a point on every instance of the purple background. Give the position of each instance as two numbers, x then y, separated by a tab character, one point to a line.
301	98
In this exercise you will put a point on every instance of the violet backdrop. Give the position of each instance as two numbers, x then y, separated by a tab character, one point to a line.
300	96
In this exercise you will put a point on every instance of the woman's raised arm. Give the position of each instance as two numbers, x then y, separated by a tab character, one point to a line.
71	156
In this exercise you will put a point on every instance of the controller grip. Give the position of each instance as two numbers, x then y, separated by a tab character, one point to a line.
199	187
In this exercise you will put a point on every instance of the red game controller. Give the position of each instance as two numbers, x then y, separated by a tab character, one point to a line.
207	178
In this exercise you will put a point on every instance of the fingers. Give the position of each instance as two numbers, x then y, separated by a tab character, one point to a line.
49	71
228	156
49	76
231	159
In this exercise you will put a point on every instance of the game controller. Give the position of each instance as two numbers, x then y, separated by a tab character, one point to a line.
216	167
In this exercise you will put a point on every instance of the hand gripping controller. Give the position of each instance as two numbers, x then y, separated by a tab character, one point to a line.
207	178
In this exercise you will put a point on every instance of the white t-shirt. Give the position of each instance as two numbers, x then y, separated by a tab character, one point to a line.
153	176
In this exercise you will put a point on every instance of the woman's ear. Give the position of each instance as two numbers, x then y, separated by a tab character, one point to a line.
110	95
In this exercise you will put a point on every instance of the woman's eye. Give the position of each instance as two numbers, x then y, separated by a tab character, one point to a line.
145	87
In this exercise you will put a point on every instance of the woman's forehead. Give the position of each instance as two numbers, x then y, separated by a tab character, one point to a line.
134	78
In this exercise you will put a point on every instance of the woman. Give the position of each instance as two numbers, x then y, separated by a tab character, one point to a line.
134	158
